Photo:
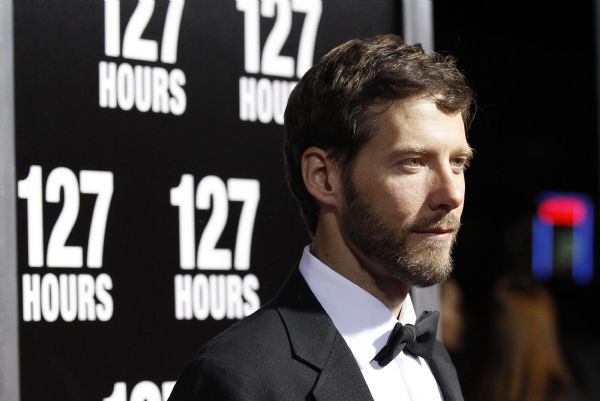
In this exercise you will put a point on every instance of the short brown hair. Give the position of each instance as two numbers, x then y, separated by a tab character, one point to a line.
331	107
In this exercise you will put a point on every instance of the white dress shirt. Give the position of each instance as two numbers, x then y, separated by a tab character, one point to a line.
365	324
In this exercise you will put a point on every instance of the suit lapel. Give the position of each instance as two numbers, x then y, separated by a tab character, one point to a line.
341	378
316	342
445	374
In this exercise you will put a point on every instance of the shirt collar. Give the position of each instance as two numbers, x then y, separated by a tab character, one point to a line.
363	321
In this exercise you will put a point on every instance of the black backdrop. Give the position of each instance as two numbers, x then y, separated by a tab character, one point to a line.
535	73
532	68
118	104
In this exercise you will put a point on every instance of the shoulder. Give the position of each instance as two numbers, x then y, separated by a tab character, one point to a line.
235	364
252	336
212	378
253	359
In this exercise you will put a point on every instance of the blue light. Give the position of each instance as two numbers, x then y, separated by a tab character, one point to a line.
542	249
542	254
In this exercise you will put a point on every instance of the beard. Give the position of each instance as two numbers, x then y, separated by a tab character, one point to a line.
420	264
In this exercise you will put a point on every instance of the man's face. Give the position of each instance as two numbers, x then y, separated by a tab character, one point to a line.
404	194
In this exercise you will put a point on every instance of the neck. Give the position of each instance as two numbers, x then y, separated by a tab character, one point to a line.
329	247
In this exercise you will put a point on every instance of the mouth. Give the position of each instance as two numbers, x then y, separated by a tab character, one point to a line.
438	233
436	228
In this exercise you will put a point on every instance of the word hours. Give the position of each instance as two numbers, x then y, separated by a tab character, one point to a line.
218	295
75	295
124	85
264	99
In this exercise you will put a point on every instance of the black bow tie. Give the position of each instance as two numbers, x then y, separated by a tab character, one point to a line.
417	339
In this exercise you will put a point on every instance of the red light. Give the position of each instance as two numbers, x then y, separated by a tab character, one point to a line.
562	211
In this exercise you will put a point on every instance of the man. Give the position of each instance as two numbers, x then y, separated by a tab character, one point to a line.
375	150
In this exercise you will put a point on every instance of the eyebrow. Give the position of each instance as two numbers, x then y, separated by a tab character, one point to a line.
467	151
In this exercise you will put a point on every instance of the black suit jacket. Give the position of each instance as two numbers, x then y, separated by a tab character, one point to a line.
288	350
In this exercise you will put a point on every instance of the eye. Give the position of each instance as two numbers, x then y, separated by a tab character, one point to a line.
460	163
413	162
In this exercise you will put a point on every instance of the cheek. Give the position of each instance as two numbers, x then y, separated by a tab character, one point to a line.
399	200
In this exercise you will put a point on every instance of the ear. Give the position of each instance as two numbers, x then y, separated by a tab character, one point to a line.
322	176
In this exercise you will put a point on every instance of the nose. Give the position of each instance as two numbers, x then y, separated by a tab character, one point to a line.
447	190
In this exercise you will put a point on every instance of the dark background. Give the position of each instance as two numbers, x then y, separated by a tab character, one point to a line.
533	66
534	71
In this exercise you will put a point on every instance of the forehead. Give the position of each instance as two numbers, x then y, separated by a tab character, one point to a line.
419	123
